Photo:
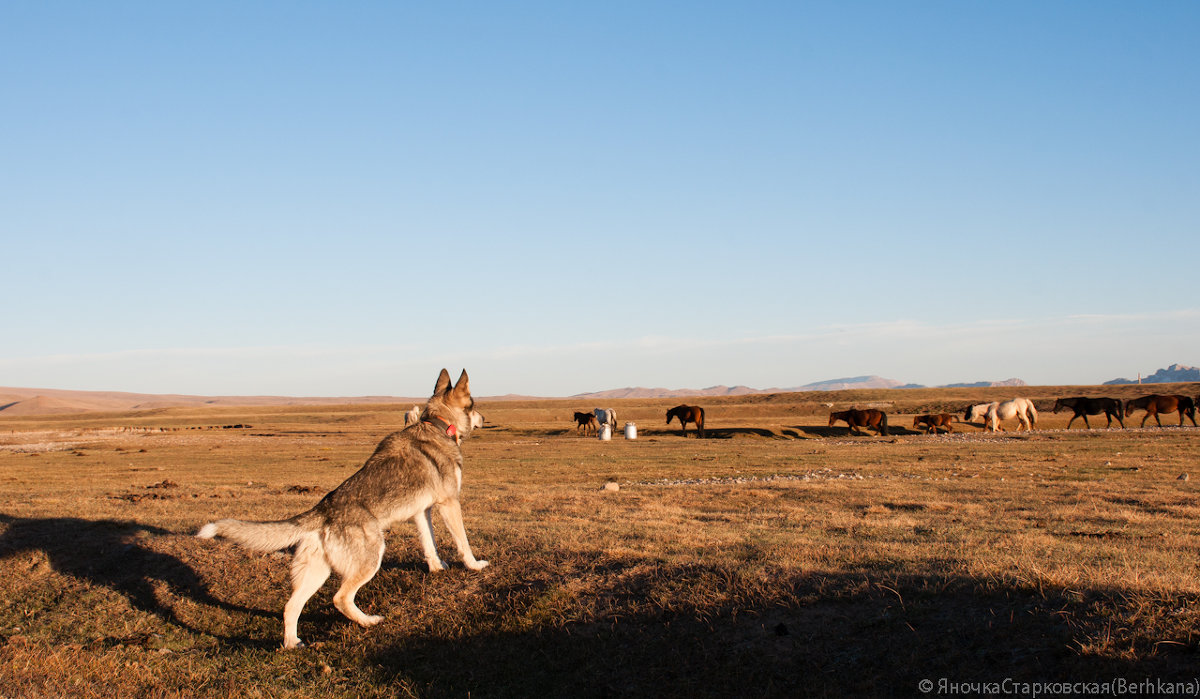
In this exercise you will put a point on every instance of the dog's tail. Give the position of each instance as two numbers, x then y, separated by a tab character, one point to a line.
264	536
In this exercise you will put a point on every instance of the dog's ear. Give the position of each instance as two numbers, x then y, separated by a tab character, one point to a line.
443	383
463	387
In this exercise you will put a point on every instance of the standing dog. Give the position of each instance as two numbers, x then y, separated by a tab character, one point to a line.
410	472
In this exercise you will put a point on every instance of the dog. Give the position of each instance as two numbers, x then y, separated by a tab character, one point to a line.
411	472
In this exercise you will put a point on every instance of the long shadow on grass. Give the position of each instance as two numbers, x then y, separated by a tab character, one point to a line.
808	635
108	553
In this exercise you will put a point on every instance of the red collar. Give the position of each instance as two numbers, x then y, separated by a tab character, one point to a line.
451	430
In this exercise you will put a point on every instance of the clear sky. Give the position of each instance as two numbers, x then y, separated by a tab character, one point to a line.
305	198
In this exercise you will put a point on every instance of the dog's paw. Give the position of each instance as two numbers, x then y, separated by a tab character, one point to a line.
370	620
477	565
290	643
436	565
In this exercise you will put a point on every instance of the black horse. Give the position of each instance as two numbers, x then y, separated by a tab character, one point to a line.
586	422
1110	407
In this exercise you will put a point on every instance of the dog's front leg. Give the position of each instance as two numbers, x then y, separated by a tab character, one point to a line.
424	521
452	514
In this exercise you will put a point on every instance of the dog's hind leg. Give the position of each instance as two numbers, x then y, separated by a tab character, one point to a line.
451	512
310	570
356	559
424	522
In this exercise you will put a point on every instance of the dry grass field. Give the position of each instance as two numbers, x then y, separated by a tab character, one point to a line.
777	557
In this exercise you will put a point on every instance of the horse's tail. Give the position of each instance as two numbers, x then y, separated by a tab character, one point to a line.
883	424
1032	414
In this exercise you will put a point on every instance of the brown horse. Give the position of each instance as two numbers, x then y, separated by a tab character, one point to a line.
587	422
875	419
1109	407
686	414
1155	404
933	422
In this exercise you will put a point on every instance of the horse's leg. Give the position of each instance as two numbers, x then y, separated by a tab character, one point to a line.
1085	422
1072	420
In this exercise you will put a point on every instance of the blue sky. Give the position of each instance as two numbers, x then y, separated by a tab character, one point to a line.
341	198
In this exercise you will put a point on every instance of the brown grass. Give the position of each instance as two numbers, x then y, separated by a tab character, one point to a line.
779	557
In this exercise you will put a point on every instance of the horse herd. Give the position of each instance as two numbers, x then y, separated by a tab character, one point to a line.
592	422
992	414
1026	414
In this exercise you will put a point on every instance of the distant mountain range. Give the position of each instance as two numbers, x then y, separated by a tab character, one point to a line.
1176	373
844	384
33	401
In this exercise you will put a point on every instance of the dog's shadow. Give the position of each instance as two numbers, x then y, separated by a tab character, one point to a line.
114	554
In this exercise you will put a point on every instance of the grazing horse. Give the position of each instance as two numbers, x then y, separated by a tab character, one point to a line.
977	412
1109	407
876	419
476	420
586	422
1020	408
933	422
993	413
606	416
1155	404
686	414
413	416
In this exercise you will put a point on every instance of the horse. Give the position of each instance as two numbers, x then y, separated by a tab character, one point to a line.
587	422
1020	408
876	419
976	412
686	414
476	420
1155	404
606	416
413	416
933	422
1109	407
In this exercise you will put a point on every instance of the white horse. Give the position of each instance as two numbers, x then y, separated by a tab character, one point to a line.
606	416
476	420
1020	408
412	416
977	412
993	413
